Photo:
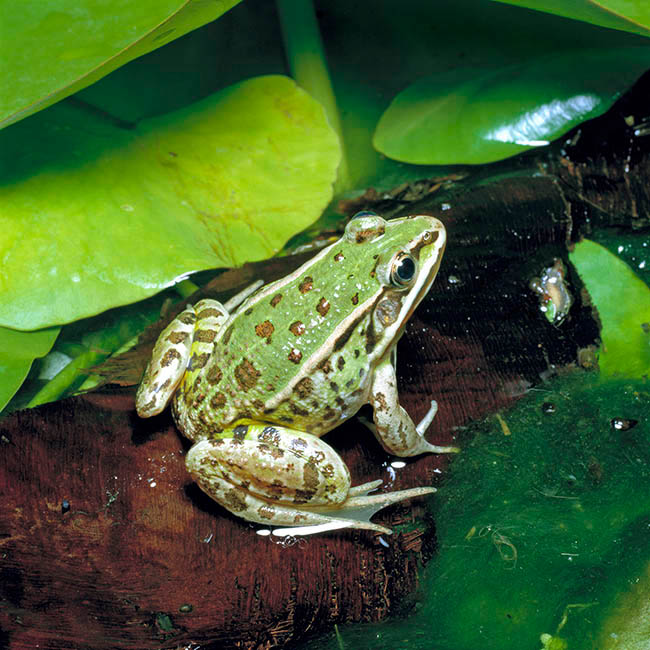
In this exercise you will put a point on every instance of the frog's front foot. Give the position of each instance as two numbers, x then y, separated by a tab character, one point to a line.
280	477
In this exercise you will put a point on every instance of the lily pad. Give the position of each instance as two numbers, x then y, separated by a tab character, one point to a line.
95	216
623	303
472	116
626	15
17	353
52	49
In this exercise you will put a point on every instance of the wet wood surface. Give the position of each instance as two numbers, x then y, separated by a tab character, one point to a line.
105	542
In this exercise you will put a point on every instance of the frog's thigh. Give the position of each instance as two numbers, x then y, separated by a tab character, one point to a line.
274	463
275	476
394	428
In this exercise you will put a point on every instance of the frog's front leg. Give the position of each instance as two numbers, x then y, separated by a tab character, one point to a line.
281	477
393	426
188	337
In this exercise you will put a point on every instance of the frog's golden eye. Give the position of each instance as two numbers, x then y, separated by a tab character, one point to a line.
403	269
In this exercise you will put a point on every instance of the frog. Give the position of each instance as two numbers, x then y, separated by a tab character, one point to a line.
256	382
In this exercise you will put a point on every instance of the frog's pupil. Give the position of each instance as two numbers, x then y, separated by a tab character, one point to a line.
405	269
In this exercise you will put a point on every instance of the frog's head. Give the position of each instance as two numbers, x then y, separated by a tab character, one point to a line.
407	253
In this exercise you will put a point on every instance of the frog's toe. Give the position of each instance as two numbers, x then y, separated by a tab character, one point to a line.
357	510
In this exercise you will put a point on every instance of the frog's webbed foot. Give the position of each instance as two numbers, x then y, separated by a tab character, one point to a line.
279	477
361	506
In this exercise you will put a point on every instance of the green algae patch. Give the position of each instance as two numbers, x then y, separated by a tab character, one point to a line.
542	529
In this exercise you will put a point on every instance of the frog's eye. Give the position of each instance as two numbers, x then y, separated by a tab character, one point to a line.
403	269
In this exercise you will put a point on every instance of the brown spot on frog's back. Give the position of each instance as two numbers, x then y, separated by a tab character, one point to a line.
329	413
264	330
323	307
217	401
297	328
276	299
325	366
355	299
295	355
298	410
339	257
214	375
246	375
304	387
306	285
340	363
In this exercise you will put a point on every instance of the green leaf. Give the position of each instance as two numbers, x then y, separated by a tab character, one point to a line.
623	303
94	216
17	353
626	15
52	49
471	116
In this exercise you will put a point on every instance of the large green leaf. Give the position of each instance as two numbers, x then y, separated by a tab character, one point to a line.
17	353
627	15
94	216
472	116
623	303
49	50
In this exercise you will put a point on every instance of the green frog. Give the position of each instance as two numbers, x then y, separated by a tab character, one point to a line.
257	381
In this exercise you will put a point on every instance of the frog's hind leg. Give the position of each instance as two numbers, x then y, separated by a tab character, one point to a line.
279	477
181	350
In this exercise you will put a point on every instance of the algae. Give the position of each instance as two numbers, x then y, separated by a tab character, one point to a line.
542	533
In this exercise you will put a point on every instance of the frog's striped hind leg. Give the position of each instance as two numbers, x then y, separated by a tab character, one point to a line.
281	477
178	354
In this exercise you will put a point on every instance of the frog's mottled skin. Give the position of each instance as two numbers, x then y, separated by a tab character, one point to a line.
255	389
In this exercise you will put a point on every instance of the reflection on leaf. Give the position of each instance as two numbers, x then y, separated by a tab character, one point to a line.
478	116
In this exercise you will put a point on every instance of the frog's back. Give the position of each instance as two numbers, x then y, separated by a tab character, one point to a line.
297	353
